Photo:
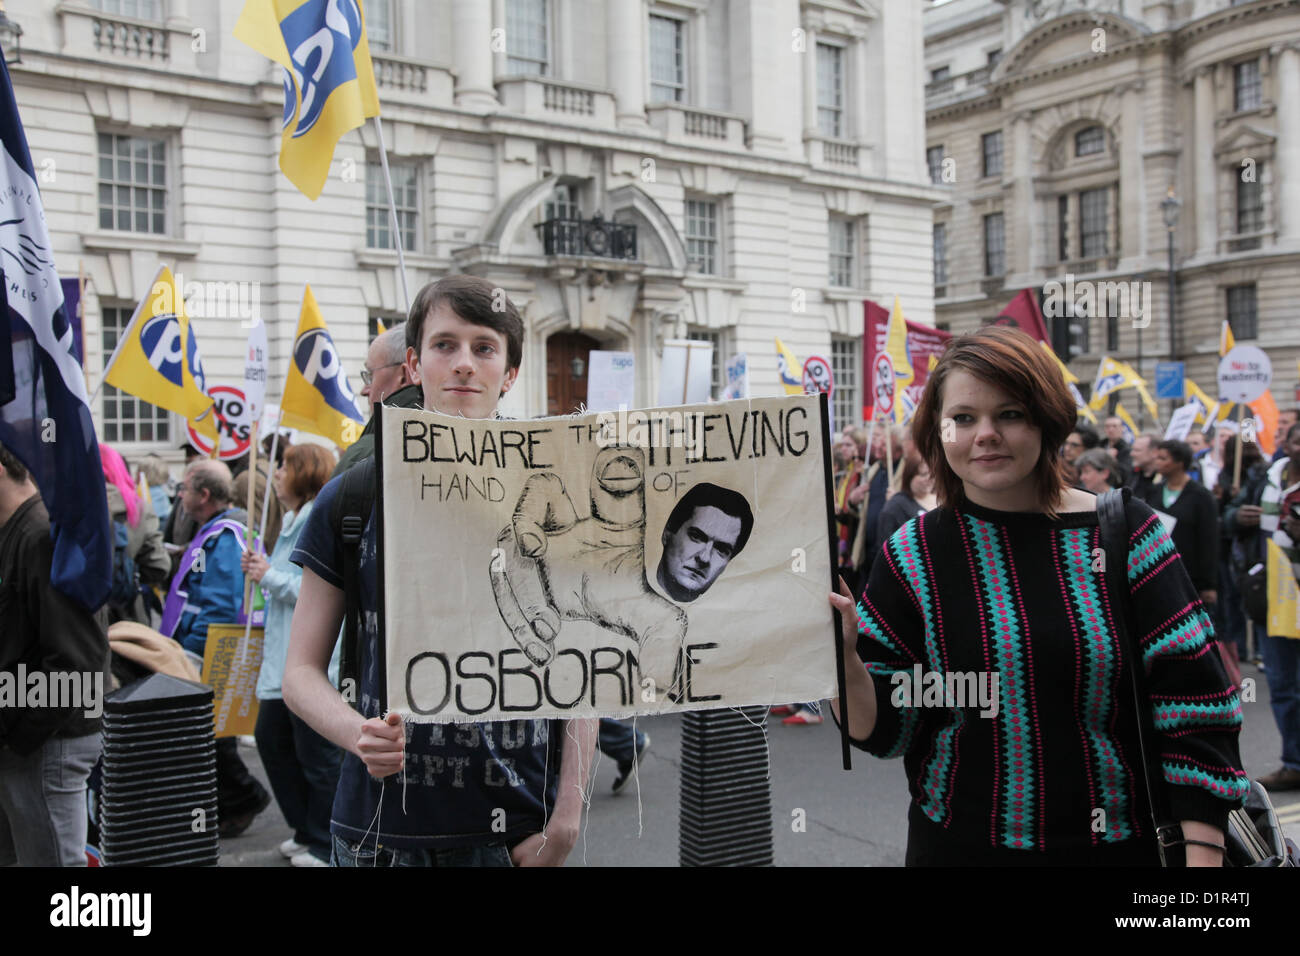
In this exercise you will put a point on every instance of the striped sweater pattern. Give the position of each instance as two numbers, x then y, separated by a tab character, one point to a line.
1018	602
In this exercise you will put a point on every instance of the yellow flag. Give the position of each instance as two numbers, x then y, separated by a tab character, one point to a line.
789	369
379	323
142	488
1113	375
1072	383
1283	599
151	359
1130	429
1207	407
896	349
1226	341
329	82
317	396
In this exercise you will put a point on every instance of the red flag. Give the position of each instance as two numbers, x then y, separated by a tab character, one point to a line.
1023	313
923	341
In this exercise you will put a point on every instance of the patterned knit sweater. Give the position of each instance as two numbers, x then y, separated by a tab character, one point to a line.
972	592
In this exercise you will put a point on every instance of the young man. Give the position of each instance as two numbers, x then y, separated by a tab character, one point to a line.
459	794
48	748
1143	477
1115	444
1195	513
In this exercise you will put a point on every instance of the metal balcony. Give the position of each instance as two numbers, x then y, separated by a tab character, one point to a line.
595	237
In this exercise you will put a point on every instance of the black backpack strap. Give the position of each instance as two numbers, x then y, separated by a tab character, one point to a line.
1113	521
351	509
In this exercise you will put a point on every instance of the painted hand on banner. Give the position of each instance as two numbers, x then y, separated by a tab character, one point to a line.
552	566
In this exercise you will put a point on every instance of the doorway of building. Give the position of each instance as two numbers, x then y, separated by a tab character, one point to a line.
567	353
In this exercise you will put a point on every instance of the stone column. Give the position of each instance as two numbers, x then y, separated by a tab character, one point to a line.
1286	168
1022	222
1206	206
810	81
1132	189
471	27
626	29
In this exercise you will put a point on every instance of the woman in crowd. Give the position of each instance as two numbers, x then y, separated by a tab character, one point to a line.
302	766
915	497
995	592
144	543
159	479
1098	471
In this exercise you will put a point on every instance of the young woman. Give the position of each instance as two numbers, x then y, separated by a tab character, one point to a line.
997	592
302	766
915	497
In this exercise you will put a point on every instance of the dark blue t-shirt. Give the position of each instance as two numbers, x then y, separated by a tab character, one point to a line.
465	784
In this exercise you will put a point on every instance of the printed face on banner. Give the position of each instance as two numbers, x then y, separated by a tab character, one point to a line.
603	564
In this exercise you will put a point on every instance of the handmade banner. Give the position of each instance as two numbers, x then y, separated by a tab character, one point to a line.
922	342
232	677
613	564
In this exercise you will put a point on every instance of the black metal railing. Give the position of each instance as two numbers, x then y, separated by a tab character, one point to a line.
596	236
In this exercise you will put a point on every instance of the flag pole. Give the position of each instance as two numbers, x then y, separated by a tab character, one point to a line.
392	211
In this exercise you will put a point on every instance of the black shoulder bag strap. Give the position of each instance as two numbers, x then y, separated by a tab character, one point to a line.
351	509
1114	540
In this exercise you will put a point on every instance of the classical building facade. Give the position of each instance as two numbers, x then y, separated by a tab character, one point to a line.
1059	128
628	171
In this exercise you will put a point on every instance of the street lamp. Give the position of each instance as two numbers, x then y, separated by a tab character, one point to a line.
1169	208
10	38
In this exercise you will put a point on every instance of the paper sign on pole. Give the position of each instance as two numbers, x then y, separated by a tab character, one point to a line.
686	372
1244	374
1181	422
233	680
611	381
737	377
255	371
232	423
607	565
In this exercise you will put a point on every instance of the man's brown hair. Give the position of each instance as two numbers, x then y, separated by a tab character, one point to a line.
475	300
1019	366
12	466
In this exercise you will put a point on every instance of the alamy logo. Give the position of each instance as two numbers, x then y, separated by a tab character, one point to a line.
922	688
1085	298
59	690
77	909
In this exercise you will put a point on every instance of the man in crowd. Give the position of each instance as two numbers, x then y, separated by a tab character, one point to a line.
1194	513
1278	515
214	589
47	751
1115	444
385	377
1285	419
1144	475
449	802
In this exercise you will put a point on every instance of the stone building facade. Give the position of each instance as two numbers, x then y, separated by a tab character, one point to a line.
629	171
1064	124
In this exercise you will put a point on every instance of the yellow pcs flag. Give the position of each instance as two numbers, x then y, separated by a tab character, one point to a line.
1283	598
1127	421
317	396
896	349
789	369
151	359
1207	407
329	82
1226	341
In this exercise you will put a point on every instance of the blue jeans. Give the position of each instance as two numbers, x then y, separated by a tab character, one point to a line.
303	770
1282	668
617	742
364	854
43	802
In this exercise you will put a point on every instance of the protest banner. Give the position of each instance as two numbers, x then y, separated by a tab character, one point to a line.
232	677
1283	600
613	564
922	342
686	372
231	416
611	380
737	377
1181	422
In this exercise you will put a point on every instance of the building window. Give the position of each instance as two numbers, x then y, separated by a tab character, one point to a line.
934	159
1063	227
1250	203
132	183
562	204
992	150
1245	85
527	38
1242	317
1112	332
1090	141
718	369
846	358
139	9
702	235
1092	222
994	57
125	417
390	321
940	74
667	60
995	245
841	252
379	24
940	253
830	89
379	224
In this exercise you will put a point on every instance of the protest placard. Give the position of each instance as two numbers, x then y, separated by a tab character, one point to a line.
232	677
611	564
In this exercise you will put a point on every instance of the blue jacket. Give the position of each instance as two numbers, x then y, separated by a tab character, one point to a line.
280	585
216	594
